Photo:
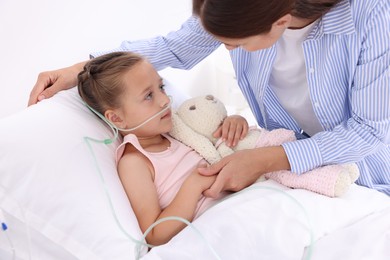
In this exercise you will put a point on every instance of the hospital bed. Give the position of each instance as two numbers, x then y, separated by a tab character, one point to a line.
61	198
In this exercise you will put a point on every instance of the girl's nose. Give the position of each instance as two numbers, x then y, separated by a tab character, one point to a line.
166	101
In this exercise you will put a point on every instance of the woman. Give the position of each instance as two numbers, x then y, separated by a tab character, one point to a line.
320	68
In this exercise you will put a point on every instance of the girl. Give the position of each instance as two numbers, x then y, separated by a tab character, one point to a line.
159	174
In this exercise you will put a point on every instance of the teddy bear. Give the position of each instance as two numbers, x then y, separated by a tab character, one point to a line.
196	119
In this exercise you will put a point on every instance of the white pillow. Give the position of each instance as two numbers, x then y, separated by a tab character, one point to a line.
52	197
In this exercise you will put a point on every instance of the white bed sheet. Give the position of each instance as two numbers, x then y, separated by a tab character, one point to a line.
269	221
368	238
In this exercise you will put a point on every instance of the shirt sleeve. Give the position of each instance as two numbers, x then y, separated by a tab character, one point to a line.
367	131
180	49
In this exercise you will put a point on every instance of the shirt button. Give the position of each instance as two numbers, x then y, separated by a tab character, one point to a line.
316	104
311	70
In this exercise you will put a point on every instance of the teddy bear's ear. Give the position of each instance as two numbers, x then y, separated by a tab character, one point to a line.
183	133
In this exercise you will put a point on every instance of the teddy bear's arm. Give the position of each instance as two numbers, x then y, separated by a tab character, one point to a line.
183	133
329	180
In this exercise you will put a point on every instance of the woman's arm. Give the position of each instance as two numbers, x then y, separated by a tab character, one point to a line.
136	174
51	82
366	132
241	169
181	49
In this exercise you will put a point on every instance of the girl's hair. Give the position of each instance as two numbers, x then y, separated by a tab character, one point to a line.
243	18
100	84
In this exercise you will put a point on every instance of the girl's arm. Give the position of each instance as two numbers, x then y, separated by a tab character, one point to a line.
136	174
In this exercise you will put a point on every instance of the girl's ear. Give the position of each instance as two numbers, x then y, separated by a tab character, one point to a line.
114	118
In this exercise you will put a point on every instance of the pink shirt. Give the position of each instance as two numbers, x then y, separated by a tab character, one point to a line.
171	168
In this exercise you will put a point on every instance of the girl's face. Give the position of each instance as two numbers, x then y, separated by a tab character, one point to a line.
144	97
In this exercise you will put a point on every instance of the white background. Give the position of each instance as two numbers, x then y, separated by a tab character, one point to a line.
45	35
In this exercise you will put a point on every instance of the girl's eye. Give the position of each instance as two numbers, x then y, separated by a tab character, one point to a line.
149	96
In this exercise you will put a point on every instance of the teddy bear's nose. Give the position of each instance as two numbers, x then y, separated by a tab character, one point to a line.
210	97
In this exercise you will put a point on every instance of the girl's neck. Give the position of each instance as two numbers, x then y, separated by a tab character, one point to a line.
156	143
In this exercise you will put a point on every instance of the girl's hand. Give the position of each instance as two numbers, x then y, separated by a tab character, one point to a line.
233	129
199	182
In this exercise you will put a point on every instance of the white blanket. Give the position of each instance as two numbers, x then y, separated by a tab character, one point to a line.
268	221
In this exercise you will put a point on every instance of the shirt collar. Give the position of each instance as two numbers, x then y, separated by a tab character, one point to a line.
339	20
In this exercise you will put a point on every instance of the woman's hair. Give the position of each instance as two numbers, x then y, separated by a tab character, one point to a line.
312	9
243	18
100	84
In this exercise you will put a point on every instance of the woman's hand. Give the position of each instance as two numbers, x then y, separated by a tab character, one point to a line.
243	168
51	82
233	129
199	182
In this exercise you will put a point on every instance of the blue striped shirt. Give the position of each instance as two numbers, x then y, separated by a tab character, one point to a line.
347	56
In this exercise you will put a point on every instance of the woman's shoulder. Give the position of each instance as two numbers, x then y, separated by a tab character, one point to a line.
366	8
361	13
